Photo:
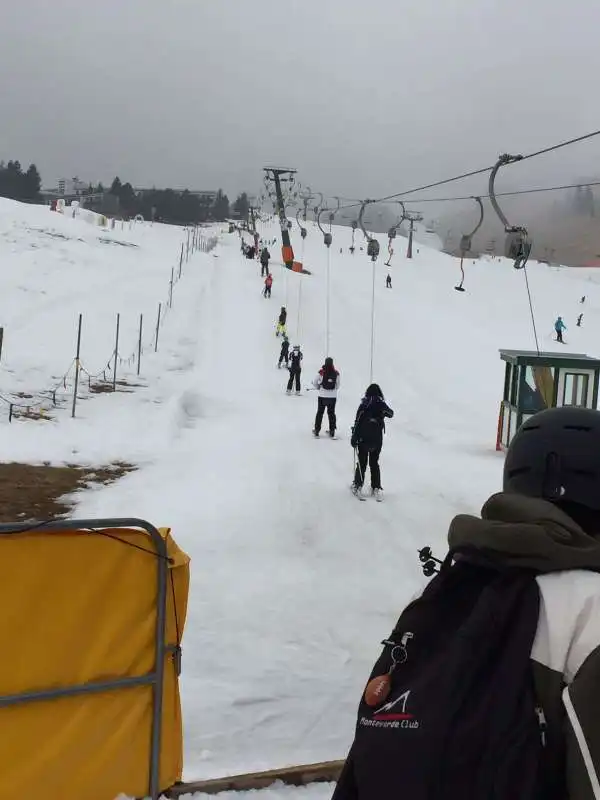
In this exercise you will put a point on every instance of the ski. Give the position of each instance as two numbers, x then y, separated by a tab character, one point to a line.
358	496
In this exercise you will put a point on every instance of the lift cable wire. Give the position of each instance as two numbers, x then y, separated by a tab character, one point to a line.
483	170
505	194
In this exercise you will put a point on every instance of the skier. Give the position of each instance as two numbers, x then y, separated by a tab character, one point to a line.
295	369
388	281
582	299
579	318
328	383
264	261
367	438
559	327
268	285
284	352
281	320
506	638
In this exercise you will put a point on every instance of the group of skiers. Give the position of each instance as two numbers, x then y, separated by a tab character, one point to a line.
559	325
369	424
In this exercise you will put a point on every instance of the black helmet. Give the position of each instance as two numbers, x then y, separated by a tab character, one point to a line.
555	455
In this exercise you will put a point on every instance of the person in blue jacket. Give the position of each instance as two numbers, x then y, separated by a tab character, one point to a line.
559	327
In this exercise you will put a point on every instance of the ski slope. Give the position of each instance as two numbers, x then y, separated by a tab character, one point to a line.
293	583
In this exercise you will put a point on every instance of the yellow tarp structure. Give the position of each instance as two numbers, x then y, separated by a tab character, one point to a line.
79	607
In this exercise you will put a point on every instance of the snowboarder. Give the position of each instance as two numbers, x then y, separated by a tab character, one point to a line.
579	318
265	257
328	383
284	352
268	285
559	327
250	253
511	626
388	281
582	299
367	438
281	320
295	369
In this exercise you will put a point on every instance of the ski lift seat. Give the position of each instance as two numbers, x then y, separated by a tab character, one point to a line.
373	248
517	244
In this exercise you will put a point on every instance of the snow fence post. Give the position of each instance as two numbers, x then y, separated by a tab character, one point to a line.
1	340
140	344
77	365
116	353
181	260
171	287
157	327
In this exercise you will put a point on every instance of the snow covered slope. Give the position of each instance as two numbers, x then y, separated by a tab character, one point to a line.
294	583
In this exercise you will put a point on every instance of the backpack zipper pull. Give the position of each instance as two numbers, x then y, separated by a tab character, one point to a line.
379	688
543	725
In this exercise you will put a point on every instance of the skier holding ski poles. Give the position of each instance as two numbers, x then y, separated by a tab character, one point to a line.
367	439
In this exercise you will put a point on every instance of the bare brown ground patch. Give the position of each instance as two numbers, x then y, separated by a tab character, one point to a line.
29	491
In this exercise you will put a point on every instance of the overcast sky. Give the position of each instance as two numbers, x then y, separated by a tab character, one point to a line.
363	98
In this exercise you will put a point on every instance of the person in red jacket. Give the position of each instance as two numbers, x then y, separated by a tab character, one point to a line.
268	284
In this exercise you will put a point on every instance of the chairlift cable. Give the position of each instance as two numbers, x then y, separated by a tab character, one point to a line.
483	170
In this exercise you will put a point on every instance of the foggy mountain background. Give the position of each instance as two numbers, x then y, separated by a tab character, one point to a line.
363	99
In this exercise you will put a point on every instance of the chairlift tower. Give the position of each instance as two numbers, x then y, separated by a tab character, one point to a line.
279	176
412	217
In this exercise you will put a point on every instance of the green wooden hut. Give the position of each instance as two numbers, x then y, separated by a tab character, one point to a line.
535	381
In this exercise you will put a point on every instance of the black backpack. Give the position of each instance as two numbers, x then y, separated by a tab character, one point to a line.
454	716
329	380
295	359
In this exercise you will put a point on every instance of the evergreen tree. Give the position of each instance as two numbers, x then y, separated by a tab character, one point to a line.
128	198
32	183
116	187
242	206
220	209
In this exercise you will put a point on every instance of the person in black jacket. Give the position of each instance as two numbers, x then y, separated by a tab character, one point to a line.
295	369
367	438
285	351
265	257
281	320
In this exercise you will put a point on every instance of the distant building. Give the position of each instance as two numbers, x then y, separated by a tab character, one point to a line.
72	187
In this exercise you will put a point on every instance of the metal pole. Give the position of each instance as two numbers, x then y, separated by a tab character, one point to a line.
171	287
328	299
372	322
1	340
77	365
298	331
116	352
410	240
140	344
181	261
157	327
